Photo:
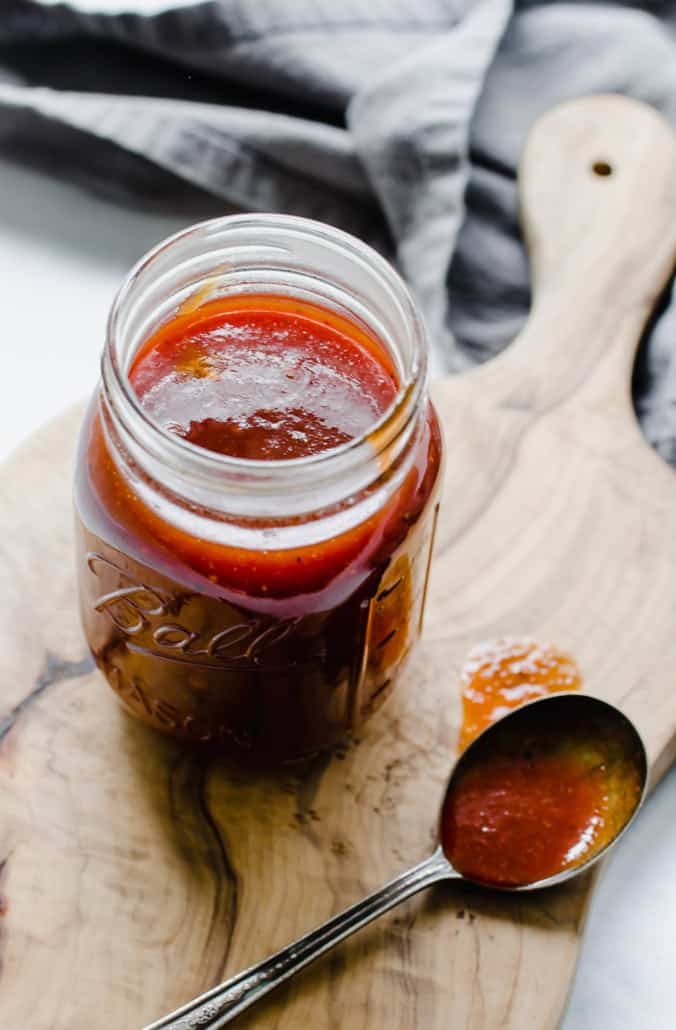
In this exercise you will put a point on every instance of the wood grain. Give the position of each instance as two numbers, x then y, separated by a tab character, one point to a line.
133	876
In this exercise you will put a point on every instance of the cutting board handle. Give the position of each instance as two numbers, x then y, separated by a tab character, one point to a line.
597	188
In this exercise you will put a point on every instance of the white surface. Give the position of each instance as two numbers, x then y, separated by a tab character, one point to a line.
62	255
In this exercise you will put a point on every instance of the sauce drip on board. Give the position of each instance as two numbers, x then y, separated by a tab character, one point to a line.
500	675
266	383
527	803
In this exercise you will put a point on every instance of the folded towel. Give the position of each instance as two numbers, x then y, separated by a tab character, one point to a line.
401	121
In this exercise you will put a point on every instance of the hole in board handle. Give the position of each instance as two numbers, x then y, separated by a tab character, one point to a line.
602	168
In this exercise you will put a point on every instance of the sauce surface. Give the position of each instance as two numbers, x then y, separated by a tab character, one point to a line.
500	675
251	379
527	805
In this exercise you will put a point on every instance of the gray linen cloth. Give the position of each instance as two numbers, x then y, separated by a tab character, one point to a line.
401	121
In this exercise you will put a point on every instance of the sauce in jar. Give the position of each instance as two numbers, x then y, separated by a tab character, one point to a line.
263	378
271	631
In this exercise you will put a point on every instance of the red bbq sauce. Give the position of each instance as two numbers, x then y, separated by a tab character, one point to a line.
532	806
272	651
267	573
517	819
263	381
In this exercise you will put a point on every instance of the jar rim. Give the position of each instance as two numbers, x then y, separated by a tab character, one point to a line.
202	465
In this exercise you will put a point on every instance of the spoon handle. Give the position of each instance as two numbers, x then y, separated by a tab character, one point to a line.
221	1004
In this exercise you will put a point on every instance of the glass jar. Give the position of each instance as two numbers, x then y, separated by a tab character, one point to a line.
265	607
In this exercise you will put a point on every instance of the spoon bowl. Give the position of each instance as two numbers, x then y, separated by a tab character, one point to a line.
565	729
577	740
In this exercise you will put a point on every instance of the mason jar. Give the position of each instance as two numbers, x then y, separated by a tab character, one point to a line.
262	607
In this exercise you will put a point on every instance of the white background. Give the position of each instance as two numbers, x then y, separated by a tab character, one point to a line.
62	255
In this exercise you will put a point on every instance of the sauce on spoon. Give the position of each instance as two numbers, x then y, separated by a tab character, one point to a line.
534	798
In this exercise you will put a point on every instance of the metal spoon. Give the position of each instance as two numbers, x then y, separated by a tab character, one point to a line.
563	712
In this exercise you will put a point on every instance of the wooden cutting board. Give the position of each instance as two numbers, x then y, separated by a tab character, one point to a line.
134	877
